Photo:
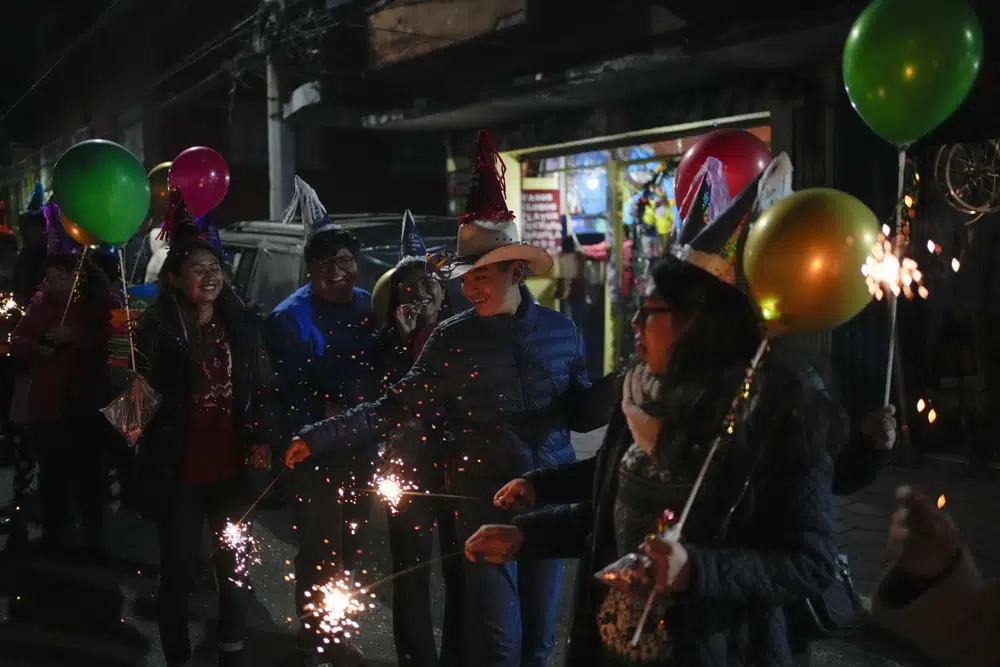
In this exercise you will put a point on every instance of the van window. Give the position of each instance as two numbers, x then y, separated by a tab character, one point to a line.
278	273
241	261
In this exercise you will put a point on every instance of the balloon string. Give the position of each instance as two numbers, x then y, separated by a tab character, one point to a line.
76	281
128	311
674	533
893	299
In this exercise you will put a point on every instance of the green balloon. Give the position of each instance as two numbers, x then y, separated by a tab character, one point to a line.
908	64
103	188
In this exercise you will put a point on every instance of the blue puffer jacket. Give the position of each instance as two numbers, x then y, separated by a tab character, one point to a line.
512	388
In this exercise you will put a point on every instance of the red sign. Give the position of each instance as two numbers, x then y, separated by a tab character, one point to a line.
542	219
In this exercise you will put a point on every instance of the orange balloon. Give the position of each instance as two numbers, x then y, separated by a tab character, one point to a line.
158	188
76	233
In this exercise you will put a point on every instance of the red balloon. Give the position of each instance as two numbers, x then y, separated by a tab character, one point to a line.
202	176
742	153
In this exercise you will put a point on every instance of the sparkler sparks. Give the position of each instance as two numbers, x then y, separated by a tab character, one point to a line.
884	270
392	487
237	538
8	306
336	602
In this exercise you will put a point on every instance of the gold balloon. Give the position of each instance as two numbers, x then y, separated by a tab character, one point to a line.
381	298
76	233
158	188
803	260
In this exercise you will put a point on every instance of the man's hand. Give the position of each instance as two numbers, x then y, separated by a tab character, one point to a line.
641	386
494	543
671	568
517	495
880	427
923	538
297	452
260	457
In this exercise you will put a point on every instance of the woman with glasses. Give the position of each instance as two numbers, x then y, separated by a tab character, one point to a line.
760	535
417	302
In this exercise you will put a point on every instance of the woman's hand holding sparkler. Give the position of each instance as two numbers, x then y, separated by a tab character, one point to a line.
297	452
517	495
494	543
669	566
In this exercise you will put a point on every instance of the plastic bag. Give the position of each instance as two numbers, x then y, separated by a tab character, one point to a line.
631	571
132	411
634	570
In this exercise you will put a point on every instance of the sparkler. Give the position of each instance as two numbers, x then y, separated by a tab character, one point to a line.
8	306
392	488
885	271
237	538
337	601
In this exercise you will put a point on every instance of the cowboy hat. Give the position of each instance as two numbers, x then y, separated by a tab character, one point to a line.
487	232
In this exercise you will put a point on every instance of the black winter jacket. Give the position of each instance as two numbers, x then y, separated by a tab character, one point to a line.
511	388
776	548
165	359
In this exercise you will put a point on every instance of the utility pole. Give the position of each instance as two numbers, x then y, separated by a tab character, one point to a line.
280	146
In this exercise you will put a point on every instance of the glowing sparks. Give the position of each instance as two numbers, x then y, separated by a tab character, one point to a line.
884	271
336	602
237	538
941	501
8	306
392	488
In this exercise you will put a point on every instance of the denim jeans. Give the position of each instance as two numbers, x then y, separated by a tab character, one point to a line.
511	612
412	532
181	561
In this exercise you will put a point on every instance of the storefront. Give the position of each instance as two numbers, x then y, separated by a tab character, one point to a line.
585	195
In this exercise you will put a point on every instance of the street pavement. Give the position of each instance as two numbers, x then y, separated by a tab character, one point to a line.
54	614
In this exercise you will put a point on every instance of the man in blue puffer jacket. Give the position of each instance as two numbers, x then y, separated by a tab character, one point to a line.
511	377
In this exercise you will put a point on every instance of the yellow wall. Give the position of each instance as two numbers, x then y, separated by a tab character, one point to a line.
542	287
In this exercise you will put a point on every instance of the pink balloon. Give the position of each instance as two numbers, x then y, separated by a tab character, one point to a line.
202	176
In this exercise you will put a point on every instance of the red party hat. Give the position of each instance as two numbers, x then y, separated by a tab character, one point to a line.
488	185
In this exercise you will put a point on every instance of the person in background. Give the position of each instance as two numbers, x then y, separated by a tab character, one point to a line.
572	288
933	596
511	379
201	457
417	302
322	342
29	272
69	384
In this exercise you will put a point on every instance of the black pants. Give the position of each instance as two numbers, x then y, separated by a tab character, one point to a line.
180	531
329	525
71	458
411	542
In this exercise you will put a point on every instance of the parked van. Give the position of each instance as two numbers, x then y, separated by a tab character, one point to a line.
267	257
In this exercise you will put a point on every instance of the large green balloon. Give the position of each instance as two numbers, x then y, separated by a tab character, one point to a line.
103	188
908	64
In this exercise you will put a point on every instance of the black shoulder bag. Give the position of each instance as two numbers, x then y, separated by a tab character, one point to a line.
834	614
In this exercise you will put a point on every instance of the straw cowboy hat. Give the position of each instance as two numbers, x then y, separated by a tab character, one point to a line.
487	232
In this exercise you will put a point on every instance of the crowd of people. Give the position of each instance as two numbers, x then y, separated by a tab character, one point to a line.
480	404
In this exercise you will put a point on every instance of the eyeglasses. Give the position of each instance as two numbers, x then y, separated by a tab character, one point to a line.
642	315
342	263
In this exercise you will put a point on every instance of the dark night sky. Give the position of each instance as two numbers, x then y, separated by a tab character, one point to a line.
15	50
